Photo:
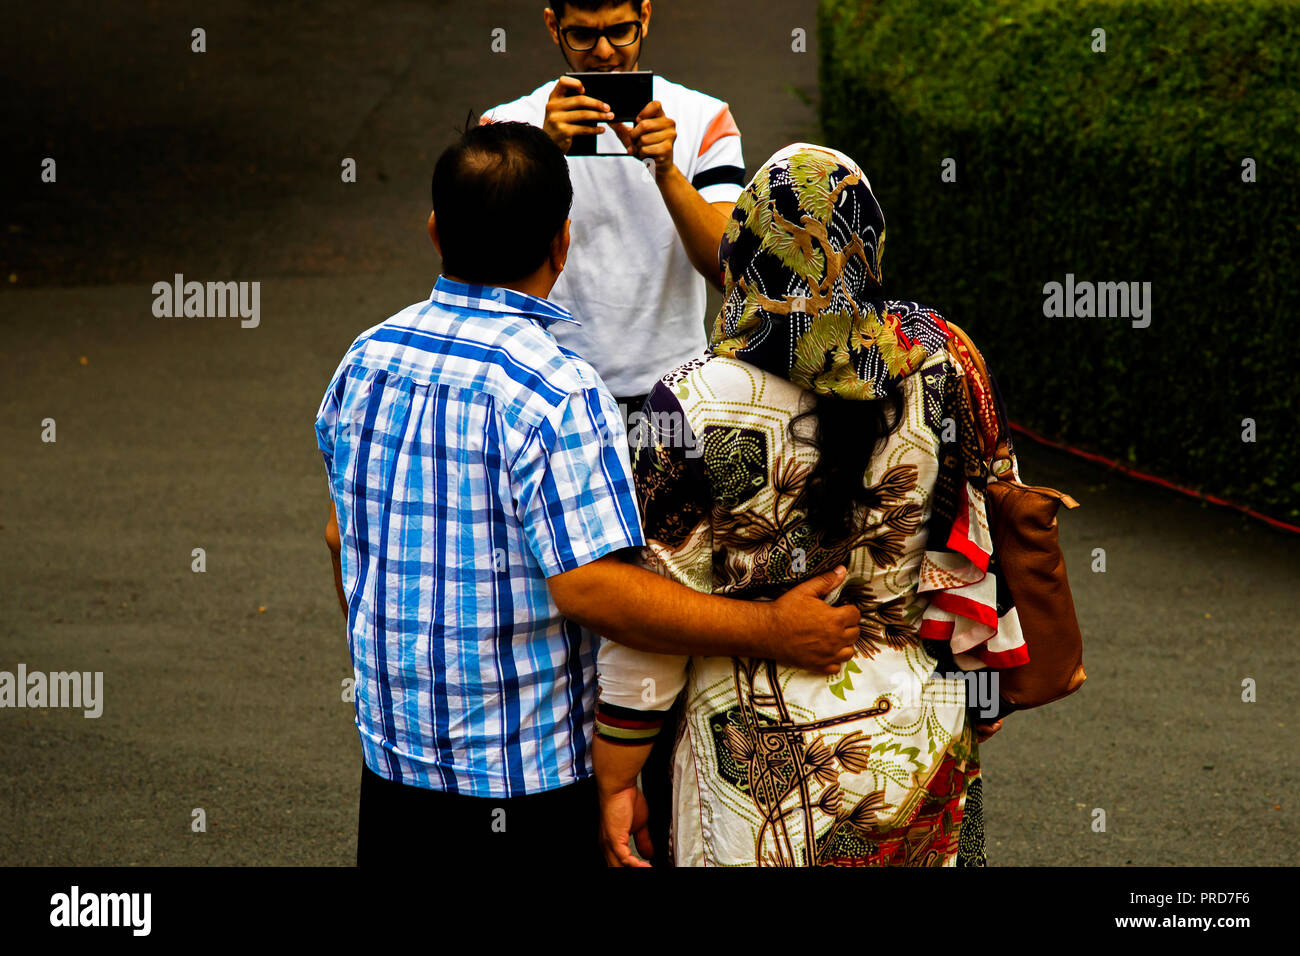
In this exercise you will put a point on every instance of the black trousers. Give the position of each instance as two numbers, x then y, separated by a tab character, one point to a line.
401	824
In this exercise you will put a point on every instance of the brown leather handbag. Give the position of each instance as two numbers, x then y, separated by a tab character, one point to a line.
1022	519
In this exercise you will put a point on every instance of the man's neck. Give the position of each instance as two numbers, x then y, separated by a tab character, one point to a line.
535	285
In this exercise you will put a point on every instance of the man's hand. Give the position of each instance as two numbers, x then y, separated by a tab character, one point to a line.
566	108
985	730
651	138
335	544
812	634
640	609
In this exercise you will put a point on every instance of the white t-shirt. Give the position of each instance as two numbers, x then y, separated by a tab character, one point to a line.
628	279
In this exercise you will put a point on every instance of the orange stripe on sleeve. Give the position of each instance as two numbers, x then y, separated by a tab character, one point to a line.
721	125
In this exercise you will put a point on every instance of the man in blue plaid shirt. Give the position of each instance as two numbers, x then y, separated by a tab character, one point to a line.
480	499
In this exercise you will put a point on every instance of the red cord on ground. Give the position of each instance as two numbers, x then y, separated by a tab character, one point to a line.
1153	479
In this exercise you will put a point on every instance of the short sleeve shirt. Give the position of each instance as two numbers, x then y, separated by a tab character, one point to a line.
628	277
470	457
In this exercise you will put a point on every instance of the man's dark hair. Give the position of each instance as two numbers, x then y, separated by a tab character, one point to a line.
500	195
559	6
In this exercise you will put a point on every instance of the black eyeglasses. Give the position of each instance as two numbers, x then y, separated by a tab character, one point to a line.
582	39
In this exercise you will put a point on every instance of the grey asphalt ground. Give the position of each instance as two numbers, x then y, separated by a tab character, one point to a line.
222	689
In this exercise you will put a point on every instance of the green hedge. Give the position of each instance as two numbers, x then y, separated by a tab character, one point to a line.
1116	166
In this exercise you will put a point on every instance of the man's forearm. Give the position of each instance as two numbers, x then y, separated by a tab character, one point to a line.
655	614
698	223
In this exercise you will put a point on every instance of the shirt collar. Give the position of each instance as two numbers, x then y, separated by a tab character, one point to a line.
491	298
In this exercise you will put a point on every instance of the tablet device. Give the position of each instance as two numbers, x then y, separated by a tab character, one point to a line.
626	93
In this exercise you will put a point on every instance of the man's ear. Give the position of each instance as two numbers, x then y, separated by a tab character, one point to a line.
560	248
433	232
645	19
552	24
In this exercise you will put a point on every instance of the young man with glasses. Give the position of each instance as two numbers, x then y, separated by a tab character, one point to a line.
645	236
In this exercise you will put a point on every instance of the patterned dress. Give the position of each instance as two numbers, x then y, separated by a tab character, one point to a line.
776	766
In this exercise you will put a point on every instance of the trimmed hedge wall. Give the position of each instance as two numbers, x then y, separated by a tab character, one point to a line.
1125	165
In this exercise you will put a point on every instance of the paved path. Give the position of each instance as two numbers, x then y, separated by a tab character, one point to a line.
222	688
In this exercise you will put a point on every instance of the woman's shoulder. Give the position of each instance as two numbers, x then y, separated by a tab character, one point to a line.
710	380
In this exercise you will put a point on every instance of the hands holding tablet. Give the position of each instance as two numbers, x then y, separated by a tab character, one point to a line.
614	95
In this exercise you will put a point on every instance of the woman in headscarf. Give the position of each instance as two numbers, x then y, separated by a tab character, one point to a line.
823	426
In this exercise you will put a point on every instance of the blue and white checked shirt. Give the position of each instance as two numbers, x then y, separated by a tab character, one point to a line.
470	457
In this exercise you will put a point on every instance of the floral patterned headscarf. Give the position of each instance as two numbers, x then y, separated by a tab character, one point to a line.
801	259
